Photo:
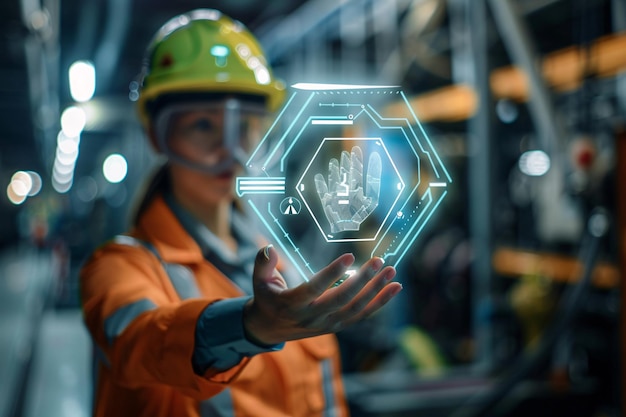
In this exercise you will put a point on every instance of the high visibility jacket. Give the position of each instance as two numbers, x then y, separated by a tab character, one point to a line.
144	333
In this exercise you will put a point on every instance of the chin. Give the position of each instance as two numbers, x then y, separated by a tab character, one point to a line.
206	189
219	189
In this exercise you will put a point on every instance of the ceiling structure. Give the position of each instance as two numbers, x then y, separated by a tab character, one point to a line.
114	33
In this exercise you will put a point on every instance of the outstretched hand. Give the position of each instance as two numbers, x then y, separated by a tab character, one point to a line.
277	313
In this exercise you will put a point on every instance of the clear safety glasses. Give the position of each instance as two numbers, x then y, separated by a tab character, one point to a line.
212	137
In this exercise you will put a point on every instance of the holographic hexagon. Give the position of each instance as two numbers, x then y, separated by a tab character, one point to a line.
334	173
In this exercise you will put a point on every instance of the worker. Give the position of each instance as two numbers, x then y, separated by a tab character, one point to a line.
188	316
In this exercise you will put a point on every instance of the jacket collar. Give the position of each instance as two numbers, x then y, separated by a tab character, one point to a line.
159	226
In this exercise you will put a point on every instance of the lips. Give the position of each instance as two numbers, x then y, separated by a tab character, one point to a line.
227	175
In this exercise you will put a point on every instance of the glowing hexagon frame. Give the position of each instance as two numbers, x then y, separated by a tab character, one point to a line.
329	105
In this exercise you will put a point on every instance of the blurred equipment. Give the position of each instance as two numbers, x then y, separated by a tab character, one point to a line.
533	301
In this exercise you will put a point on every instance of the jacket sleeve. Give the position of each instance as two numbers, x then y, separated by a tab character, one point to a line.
221	342
143	336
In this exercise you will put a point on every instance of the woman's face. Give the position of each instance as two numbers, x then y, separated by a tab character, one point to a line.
198	136
209	136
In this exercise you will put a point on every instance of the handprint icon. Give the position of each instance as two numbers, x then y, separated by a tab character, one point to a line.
345	204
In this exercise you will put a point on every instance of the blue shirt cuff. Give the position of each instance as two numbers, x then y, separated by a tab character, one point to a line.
221	342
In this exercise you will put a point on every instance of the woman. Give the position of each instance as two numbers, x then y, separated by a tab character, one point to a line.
187	316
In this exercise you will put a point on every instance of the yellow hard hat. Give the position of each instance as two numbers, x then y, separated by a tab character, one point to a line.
205	51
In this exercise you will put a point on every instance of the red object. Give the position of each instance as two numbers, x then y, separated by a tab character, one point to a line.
167	61
585	158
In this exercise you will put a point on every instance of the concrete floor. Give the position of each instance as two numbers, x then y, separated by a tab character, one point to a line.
60	375
45	353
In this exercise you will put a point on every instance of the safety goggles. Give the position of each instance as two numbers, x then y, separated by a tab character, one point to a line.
211	136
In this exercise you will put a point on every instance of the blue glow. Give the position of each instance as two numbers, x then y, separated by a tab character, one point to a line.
320	86
423	224
260	185
293	158
220	51
286	236
425	136
278	240
282	139
262	143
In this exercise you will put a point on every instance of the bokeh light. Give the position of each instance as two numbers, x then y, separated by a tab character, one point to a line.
115	168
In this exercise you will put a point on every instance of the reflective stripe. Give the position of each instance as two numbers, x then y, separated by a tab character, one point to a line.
133	241
183	280
119	320
181	277
327	386
220	405
126	240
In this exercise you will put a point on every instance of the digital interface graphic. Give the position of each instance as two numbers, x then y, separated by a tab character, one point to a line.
334	169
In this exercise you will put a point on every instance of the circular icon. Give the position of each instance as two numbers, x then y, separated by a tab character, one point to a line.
290	206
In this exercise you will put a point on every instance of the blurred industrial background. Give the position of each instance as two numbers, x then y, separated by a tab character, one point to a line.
512	303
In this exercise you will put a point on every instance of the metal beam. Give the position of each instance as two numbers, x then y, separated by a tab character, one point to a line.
470	65
107	55
517	40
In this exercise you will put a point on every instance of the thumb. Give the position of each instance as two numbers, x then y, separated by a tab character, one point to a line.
265	276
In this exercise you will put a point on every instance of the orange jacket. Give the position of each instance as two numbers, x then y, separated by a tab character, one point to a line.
146	370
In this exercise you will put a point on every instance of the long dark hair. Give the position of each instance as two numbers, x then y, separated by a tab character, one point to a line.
157	184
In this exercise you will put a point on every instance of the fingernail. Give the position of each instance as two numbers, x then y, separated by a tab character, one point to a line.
397	290
348	260
390	275
377	264
266	251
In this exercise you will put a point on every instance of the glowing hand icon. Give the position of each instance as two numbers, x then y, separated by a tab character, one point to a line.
345	205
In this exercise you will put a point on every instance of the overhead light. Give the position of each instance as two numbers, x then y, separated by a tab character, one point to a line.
37	183
115	168
66	144
534	163
61	187
66	158
73	121
21	183
63	169
507	111
62	177
82	76
14	197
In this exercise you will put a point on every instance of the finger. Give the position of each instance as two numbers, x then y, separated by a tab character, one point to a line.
265	278
333	219
369	292
374	171
383	297
333	175
319	283
320	186
338	297
356	169
344	169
